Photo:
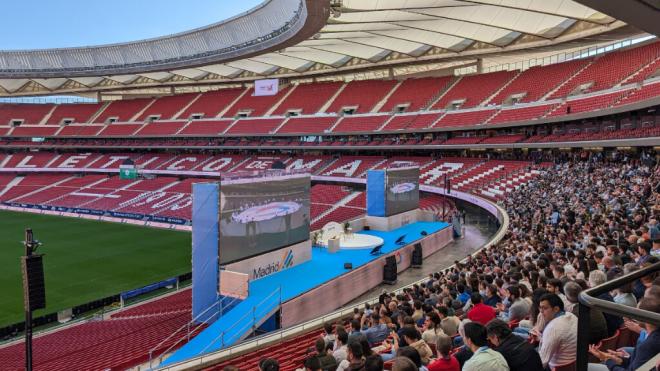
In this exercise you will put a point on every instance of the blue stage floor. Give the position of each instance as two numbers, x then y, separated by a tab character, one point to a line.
294	281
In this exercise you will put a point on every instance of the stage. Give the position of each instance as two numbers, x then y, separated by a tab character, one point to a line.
305	286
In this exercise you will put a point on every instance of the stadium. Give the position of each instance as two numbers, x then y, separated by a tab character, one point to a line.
338	185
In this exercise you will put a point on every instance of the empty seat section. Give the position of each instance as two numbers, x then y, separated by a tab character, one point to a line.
123	110
409	122
463	140
78	112
610	69
417	93
211	103
340	214
503	139
119	343
35	131
474	89
80	130
120	129
457	118
29	160
588	104
31	114
206	127
160	128
4	130
362	94
255	105
646	92
352	166
328	194
166	107
307	124
521	113
650	70
255	126
308	97
360	123
539	80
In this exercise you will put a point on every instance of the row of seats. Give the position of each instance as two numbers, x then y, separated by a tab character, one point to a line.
556	110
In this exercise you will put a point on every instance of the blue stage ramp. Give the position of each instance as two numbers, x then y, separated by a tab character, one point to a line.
266	294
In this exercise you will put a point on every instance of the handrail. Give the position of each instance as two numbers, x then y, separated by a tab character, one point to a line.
195	328
588	300
222	334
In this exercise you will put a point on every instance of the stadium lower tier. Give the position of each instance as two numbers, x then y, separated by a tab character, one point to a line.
71	182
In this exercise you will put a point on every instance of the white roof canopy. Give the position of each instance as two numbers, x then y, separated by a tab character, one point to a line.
361	34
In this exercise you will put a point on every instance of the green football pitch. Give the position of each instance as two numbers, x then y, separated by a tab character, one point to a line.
85	260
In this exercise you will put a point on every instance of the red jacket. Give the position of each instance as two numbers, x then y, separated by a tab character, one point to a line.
481	313
445	364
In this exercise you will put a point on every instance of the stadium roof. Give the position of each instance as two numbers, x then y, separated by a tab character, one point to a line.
312	38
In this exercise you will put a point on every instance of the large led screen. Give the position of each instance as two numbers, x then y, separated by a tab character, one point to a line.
402	190
261	215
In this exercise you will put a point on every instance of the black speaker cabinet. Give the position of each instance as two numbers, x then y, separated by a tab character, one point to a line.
34	292
348	265
389	270
417	257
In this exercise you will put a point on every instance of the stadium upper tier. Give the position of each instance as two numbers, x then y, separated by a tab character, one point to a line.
589	87
309	38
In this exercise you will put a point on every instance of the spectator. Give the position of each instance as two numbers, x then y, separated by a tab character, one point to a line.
614	322
377	331
558	341
597	323
617	360
432	328
373	363
445	361
269	364
341	351
328	335
449	324
414	340
355	360
480	312
483	357
518	353
403	364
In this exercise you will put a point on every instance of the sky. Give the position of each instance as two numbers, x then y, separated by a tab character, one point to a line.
36	24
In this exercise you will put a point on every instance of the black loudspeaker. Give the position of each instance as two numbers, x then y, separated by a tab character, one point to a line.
34	292
424	233
367	228
389	270
348	265
416	260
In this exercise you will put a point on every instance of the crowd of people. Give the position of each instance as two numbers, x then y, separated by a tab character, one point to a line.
513	306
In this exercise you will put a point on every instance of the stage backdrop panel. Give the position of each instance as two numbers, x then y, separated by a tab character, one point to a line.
259	215
376	193
401	190
204	248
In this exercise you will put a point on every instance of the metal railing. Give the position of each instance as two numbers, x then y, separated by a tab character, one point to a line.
253	324
193	326
588	300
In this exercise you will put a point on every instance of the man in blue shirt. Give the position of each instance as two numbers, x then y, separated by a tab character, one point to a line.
644	351
376	330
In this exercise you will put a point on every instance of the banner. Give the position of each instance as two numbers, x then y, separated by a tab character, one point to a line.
266	87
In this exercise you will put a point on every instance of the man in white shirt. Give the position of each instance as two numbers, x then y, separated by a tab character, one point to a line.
559	340
341	352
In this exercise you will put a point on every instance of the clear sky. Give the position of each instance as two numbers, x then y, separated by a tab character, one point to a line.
34	24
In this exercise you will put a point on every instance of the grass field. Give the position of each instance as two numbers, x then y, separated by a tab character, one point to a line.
85	260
